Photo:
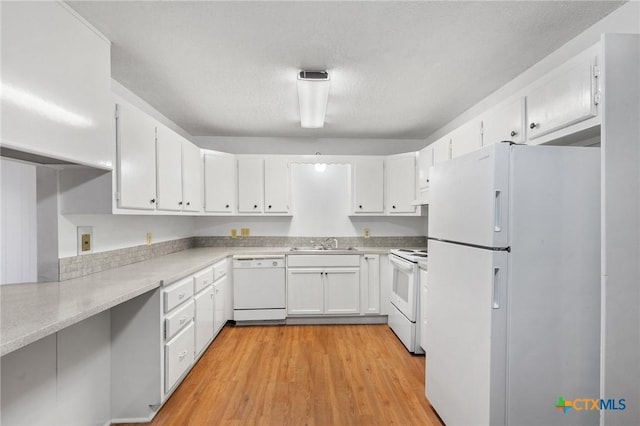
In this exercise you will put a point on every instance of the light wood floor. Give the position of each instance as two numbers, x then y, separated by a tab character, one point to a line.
303	375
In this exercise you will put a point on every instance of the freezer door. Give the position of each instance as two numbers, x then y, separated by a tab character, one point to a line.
466	334
469	198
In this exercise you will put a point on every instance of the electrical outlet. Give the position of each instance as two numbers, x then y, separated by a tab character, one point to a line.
234	233
149	238
367	232
244	232
85	239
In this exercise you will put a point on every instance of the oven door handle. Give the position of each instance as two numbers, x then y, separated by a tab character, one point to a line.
400	264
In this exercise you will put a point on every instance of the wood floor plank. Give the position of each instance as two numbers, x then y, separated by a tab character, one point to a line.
303	375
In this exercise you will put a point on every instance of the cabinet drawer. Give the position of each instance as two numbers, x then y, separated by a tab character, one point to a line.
203	279
181	317
220	269
178	293
323	260
178	356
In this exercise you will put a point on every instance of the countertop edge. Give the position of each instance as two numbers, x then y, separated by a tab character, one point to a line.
216	254
47	330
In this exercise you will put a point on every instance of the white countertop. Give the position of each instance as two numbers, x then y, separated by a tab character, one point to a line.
29	312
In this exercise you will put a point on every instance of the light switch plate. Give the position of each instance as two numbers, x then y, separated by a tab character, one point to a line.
149	238
85	240
234	233
244	232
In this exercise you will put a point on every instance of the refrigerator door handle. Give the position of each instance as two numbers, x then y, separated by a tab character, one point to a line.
496	289
498	212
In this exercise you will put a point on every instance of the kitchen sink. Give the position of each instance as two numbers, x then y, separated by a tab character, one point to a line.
318	249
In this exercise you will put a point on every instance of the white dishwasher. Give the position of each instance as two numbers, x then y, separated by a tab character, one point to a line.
258	288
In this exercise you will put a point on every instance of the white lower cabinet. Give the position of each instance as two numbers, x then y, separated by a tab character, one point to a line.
219	316
305	289
178	319
323	285
370	284
204	307
178	356
157	337
342	291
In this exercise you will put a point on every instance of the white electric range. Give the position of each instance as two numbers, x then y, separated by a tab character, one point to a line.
404	315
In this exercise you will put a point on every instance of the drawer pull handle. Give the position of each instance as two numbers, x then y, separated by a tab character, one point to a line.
182	320
181	295
182	355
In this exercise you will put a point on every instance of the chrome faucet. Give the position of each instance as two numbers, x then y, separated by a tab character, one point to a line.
326	244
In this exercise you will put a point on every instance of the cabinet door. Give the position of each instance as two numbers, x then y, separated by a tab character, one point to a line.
466	138
136	149
441	150
368	186
370	284
276	185
564	98
401	183
305	290
219	183
169	169
178	356
504	123
204	318
250	185
56	85
191	177
342	291
425	161
219	318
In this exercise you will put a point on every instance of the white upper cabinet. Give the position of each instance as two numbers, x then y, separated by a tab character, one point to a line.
425	162
401	183
168	169
466	138
276	185
56	85
504	123
219	183
250	184
441	150
368	186
136	158
564	97
191	177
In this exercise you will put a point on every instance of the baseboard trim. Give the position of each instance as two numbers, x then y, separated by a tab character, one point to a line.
338	320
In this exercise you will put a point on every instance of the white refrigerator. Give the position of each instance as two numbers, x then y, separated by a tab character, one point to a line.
513	307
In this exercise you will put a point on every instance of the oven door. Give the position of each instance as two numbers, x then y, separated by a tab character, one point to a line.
403	289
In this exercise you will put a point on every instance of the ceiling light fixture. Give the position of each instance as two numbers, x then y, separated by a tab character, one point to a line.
313	93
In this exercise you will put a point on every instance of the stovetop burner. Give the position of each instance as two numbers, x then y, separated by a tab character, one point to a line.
412	255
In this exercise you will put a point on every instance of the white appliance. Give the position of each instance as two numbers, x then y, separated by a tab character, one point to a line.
259	288
513	311
404	310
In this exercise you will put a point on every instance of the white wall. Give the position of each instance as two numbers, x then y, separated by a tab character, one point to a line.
308	146
112	232
320	207
18	231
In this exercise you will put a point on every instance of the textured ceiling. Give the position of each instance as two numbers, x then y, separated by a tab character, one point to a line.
399	69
